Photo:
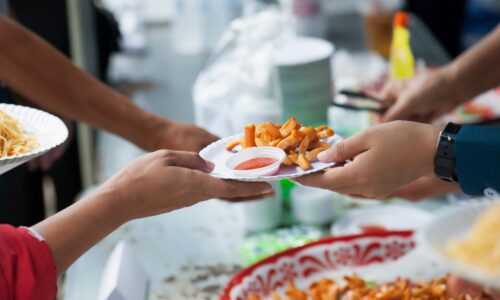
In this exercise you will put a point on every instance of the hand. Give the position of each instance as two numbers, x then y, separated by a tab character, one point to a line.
421	99
457	286
185	137
384	158
425	187
45	162
152	184
167	180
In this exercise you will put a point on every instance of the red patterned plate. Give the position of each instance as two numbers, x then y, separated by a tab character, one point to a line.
328	257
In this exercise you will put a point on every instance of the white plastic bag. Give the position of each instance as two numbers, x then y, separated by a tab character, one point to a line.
239	73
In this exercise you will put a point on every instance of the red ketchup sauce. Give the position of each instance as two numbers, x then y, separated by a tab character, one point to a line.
255	163
372	228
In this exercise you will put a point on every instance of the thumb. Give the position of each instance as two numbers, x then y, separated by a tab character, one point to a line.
188	160
227	189
343	150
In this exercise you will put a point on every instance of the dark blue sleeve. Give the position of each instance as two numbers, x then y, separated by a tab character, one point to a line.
477	153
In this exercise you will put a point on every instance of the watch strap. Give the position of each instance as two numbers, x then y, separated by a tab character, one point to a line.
444	161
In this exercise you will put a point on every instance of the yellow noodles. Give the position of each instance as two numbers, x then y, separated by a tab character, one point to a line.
480	248
13	138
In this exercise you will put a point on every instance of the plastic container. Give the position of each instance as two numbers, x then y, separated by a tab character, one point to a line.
254	153
377	20
312	206
260	214
402	60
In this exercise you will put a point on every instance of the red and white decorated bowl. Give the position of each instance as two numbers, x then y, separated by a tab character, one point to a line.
332	257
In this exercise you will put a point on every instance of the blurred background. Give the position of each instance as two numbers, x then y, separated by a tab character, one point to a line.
222	64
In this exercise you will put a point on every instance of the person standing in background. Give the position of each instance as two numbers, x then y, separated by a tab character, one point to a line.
25	56
48	19
457	24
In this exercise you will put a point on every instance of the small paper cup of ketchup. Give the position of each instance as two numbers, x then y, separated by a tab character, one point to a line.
258	161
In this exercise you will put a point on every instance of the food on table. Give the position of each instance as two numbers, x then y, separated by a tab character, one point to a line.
356	288
14	140
480	248
301	143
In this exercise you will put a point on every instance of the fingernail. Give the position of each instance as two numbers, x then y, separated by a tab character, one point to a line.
323	156
210	165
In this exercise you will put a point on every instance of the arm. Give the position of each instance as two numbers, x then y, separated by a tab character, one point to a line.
387	157
478	159
153	184
39	72
430	96
478	69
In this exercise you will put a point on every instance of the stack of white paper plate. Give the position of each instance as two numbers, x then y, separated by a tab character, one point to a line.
48	130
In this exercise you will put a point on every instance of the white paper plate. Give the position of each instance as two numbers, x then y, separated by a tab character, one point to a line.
48	130
390	217
450	224
217	153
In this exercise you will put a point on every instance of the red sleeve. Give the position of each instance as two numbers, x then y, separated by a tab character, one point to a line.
27	270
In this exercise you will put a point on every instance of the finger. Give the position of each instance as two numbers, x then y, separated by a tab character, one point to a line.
340	180
228	189
189	160
344	150
390	92
250	198
46	162
33	165
399	111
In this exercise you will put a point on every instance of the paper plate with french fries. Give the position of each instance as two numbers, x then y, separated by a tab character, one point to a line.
270	151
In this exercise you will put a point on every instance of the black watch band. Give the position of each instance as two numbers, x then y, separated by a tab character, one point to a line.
444	161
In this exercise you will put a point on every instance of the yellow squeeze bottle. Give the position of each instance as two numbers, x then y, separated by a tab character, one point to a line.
402	63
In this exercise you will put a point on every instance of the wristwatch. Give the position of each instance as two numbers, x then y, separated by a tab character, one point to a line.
444	161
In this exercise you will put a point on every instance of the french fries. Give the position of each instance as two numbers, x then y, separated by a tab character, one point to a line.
302	144
325	133
303	162
355	288
313	154
250	136
309	135
289	125
291	141
230	146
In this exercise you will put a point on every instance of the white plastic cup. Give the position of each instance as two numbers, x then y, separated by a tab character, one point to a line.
257	152
312	206
262	214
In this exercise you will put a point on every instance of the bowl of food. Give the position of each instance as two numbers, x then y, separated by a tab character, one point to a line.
26	133
467	238
382	266
330	258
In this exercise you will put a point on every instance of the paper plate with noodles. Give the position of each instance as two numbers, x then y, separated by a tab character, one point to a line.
467	238
26	133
